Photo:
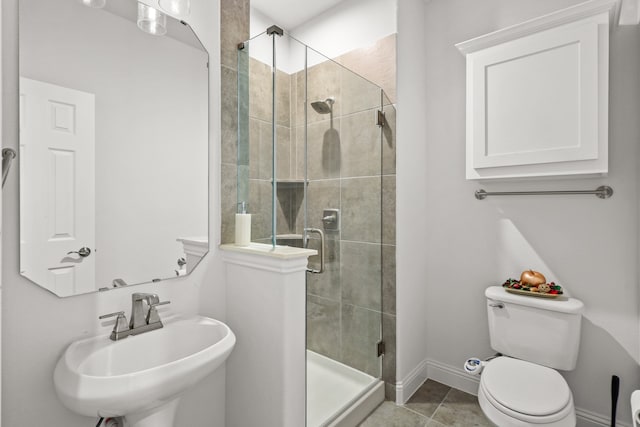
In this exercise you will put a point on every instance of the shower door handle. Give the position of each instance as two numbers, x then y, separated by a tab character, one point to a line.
321	234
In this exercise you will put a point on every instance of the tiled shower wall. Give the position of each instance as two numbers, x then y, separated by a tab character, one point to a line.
234	28
344	303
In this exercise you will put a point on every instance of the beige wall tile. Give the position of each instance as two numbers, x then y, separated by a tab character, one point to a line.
323	81
389	279
389	209
361	274
234	28
361	329
361	210
283	152
376	63
260	209
358	94
260	88
324	147
389	141
323	326
283	91
228	202
360	145
229	115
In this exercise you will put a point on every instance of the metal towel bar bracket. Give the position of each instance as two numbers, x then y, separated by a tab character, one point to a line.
602	192
8	154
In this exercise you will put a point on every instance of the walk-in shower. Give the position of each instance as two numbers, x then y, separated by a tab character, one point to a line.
311	156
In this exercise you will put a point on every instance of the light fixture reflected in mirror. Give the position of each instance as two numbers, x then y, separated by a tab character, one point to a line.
176	7
98	4
151	20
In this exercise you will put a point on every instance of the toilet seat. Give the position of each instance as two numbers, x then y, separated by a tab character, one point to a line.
526	393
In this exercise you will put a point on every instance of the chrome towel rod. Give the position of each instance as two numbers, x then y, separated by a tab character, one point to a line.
602	192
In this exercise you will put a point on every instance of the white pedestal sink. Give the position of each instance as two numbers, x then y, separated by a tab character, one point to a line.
141	377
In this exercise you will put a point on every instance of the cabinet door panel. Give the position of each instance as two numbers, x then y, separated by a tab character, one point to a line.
537	100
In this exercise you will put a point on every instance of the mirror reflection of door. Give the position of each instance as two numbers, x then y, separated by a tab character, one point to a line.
57	152
144	189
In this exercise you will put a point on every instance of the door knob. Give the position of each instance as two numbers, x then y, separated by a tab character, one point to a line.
83	252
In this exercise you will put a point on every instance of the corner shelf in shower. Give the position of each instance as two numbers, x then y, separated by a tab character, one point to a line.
291	183
289	236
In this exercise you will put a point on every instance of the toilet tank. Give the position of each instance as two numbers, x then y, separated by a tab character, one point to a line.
545	331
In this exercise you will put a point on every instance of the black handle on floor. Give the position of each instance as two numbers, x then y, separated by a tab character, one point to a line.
615	390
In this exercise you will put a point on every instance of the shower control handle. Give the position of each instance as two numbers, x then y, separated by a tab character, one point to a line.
331	219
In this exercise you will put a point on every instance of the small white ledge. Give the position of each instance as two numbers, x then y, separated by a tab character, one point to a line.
198	246
280	252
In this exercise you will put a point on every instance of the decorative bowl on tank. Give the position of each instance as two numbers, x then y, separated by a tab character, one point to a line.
542	290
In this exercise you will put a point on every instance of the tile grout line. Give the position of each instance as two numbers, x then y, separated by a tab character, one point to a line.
439	405
434	412
416	412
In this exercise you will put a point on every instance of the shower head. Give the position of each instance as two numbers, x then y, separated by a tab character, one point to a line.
323	107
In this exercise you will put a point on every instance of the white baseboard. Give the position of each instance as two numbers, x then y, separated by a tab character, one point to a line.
456	377
453	376
406	387
591	419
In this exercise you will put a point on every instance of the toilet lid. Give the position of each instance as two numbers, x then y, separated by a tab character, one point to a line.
525	387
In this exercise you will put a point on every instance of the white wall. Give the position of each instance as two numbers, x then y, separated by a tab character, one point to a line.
411	196
350	25
164	85
259	22
586	244
37	326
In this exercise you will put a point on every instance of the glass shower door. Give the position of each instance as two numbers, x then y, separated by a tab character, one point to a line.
312	157
340	154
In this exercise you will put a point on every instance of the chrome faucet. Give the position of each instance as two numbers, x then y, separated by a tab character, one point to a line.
138	317
140	321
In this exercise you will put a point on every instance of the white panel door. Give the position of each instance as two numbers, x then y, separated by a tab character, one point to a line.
57	176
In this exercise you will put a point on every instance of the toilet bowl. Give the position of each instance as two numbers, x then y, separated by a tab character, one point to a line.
517	393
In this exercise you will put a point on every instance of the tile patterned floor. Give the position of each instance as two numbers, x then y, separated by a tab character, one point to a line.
433	405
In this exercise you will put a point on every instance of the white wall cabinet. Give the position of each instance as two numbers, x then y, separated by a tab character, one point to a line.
537	96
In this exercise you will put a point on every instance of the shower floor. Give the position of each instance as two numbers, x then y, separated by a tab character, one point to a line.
334	389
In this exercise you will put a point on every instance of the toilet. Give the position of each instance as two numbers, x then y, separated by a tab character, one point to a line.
535	336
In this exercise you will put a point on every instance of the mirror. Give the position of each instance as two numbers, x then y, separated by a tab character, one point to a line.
113	147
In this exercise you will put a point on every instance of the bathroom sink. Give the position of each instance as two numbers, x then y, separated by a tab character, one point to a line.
142	374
